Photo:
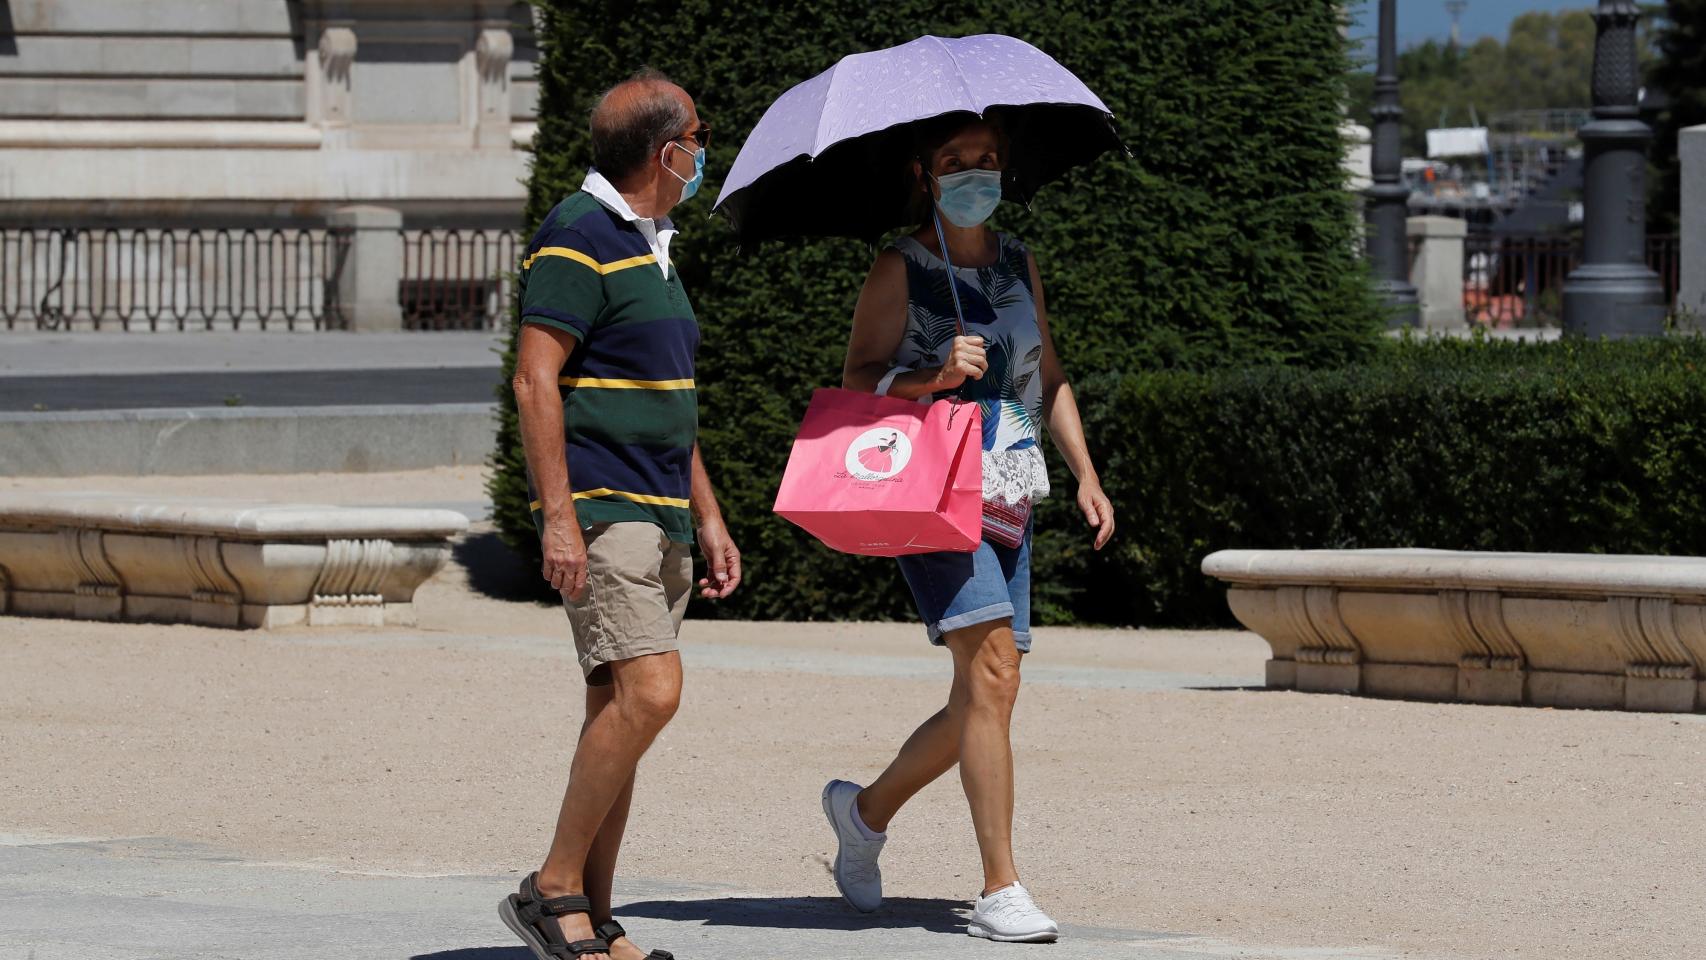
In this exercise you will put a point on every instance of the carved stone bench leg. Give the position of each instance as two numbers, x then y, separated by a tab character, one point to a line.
1491	668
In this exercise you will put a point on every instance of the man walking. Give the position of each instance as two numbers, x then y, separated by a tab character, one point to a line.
609	418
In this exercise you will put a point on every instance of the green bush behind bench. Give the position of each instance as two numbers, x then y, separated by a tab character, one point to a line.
1228	236
1567	447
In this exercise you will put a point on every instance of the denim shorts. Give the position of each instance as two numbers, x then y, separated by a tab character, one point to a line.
955	590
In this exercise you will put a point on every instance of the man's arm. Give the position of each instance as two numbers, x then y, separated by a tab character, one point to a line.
720	553
539	361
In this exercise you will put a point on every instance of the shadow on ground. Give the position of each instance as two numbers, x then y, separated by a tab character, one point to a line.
500	573
478	953
806	913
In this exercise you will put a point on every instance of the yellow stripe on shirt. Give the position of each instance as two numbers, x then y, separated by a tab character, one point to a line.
635	497
608	383
569	253
607	492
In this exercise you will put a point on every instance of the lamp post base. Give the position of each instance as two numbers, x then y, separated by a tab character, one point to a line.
1613	300
1402	305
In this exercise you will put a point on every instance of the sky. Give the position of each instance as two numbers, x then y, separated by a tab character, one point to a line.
1419	20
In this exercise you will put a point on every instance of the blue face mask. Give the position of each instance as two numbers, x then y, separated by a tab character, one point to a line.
969	197
690	186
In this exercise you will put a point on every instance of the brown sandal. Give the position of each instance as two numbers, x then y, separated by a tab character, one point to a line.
612	931
532	918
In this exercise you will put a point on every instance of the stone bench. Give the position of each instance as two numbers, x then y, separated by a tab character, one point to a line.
228	563
1563	630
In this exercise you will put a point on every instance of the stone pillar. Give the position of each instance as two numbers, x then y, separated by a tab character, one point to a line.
1388	199
1691	293
1614	293
492	54
372	270
1438	270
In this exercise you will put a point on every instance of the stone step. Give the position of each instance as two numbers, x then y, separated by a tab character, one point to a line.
227	563
1551	630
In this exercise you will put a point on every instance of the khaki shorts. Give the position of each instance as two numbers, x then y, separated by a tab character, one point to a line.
638	583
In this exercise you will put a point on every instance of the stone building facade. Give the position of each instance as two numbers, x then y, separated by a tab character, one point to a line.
295	164
137	113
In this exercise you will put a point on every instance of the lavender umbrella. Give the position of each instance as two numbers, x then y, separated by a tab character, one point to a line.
831	156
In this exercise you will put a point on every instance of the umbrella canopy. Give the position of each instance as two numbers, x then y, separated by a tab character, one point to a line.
831	156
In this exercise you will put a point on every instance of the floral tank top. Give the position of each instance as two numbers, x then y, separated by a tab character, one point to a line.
1001	308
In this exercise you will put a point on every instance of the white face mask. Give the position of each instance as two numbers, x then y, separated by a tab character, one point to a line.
969	197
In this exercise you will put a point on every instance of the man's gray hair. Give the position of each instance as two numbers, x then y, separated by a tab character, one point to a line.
633	120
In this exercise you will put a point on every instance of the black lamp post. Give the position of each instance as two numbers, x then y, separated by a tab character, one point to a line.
1613	293
1388	198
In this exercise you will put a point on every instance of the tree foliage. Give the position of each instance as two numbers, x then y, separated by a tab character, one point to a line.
1546	62
1227	237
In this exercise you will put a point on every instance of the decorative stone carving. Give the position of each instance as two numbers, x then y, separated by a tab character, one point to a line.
1478	623
347	590
215	598
492	54
98	589
1542	629
337	56
219	563
1328	656
337	53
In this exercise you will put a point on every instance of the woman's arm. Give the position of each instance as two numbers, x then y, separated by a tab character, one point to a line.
879	323
1060	410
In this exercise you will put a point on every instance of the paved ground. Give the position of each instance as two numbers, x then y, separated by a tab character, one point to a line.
371	793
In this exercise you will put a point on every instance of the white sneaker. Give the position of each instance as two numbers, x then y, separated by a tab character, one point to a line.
857	875
1011	916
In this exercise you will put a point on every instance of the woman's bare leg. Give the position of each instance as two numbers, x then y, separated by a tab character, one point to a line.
987	662
931	751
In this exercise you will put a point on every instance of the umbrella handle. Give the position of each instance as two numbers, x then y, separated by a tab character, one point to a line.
959	312
953	285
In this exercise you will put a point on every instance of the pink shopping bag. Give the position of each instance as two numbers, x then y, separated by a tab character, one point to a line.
884	477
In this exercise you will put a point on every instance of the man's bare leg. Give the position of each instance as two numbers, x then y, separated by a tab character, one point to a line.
643	696
601	859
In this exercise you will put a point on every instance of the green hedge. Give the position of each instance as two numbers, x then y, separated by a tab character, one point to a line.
1568	447
1227	238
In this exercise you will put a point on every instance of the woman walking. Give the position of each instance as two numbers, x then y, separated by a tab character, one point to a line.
906	343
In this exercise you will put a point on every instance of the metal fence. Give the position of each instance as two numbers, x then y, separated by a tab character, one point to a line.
457	279
1519	281
95	279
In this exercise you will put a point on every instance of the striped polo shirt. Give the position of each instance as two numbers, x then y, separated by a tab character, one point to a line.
630	409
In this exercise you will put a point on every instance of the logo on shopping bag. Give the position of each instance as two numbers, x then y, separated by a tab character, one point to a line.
878	454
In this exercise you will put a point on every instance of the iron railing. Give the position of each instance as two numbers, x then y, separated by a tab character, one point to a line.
71	279
1519	281
457	279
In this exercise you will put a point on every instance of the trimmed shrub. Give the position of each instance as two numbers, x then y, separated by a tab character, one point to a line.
1566	447
1226	238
